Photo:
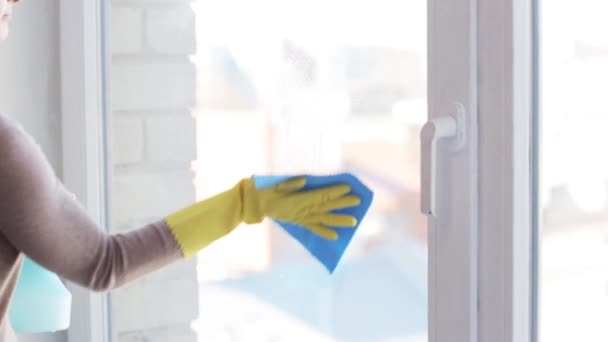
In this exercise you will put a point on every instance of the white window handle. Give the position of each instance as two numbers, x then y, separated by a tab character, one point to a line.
432	132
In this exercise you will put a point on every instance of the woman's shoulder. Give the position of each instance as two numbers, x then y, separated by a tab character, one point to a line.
4	121
9	128
22	159
12	133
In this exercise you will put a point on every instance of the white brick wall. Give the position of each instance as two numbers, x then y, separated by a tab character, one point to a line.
170	138
128	141
152	94
160	311
142	193
169	29
177	333
152	84
127	30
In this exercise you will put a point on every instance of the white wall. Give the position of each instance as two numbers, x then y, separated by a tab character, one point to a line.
29	74
29	85
152	131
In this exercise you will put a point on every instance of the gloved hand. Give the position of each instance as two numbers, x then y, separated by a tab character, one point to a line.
198	225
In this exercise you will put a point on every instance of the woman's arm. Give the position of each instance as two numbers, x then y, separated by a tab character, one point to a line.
44	220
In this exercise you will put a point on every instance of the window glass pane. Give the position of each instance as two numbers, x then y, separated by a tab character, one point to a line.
208	93
574	196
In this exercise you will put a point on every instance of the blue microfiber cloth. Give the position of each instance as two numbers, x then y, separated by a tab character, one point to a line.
328	252
41	303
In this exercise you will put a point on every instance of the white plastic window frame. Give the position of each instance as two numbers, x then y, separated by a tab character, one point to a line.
84	144
452	88
480	246
482	242
508	174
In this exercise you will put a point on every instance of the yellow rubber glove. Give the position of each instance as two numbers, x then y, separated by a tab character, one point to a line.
197	226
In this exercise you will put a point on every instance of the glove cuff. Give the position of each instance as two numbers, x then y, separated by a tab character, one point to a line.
252	210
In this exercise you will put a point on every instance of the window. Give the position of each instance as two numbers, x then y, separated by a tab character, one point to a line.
574	250
185	85
202	95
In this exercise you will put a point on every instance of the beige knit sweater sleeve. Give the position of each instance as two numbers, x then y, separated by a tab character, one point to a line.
42	219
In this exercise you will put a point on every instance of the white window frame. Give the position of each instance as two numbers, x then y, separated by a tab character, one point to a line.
482	264
480	247
508	171
452	83
83	142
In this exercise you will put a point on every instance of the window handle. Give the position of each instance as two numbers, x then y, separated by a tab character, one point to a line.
433	132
